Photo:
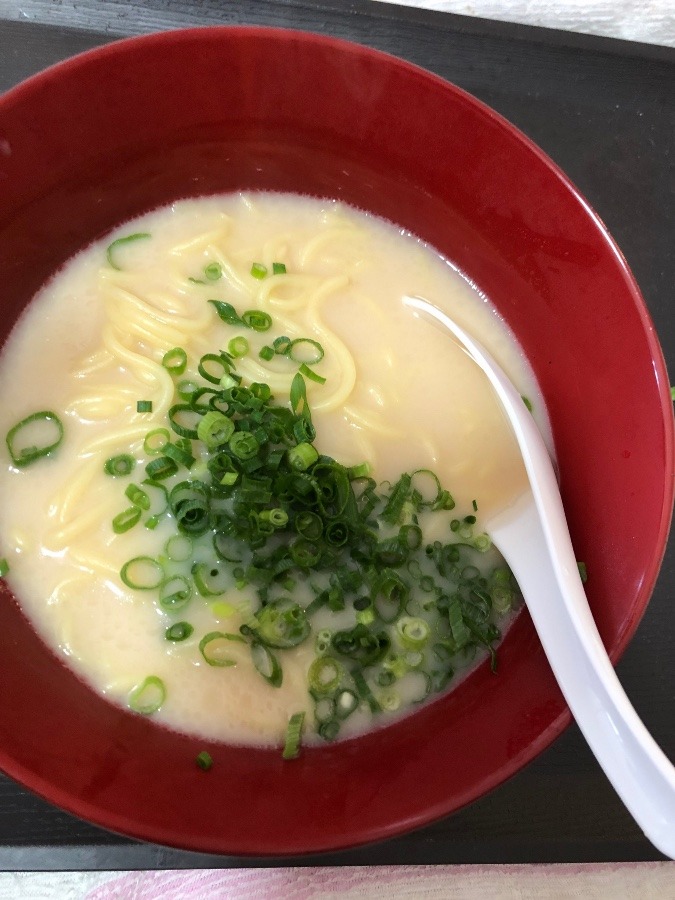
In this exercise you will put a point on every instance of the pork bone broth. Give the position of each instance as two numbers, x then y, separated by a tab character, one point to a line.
222	637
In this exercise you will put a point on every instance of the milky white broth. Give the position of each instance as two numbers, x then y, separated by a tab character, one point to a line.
82	349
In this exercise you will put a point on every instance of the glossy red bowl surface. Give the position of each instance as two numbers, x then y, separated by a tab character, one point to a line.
120	130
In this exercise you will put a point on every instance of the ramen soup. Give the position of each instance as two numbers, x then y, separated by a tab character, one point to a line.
244	484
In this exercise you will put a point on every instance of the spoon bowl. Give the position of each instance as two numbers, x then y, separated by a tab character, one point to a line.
535	528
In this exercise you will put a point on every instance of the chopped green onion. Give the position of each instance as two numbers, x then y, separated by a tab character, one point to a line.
527	402
258	270
266	353
211	578
281	345
413	632
583	573
142	573
213	272
4	567
214	647
35	436
204	761
347	702
186	388
148	696
175	361
174	593
179	631
257	320
278	268
244	445
502	598
280	625
481	542
125	520
137	496
180	456
160	468
120	465
210	361
144	406
309	373
111	252
238	347
324	675
302	456
305	350
215	429
364	691
293	735
390	700
266	663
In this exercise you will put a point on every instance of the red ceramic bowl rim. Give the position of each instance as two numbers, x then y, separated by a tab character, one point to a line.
117	48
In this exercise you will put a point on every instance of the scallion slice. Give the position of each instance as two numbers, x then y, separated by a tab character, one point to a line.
257	320
175	361
215	429
120	465
127	519
305	350
144	406
278	268
311	374
142	573
302	456
413	632
324	675
346	703
137	496
156	440
280	624
35	436
258	270
266	663
293	735
215	646
112	250
238	347
211	578
179	631
204	760
281	345
174	593
213	271
148	696
161	468
4	567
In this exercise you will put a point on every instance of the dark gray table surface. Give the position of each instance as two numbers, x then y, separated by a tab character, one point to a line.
604	110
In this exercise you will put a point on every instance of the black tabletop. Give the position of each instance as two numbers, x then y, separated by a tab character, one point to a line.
604	110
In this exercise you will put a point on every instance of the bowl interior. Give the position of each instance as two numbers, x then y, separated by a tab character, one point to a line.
136	124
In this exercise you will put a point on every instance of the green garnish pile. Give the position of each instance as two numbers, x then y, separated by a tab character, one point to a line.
255	504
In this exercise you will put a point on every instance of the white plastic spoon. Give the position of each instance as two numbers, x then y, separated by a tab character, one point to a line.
533	537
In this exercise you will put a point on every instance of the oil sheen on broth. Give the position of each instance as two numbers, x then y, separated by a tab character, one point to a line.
397	393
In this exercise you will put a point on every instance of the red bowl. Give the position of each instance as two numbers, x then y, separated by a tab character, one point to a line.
133	125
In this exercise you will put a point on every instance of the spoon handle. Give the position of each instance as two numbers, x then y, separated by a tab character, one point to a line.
637	768
534	538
